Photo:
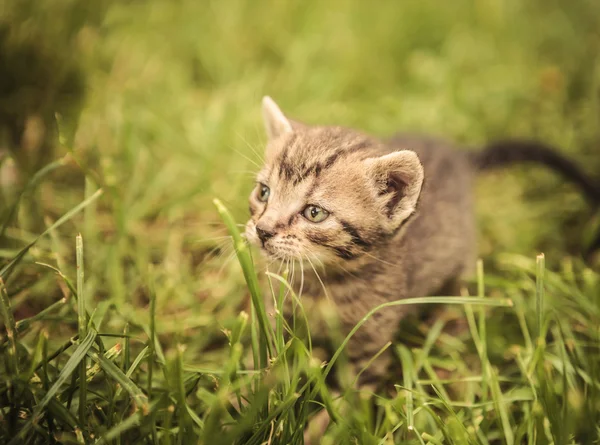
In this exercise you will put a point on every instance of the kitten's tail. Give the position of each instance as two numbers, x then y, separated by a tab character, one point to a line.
507	152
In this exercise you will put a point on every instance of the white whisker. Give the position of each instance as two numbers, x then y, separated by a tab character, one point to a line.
317	259
249	145
318	277
301	278
221	247
379	259
247	158
216	238
232	255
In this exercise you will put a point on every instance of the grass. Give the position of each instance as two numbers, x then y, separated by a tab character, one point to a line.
147	326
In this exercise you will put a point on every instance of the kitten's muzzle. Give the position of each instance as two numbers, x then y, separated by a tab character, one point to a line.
264	234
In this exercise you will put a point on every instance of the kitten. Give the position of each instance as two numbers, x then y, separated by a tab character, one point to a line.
385	220
339	198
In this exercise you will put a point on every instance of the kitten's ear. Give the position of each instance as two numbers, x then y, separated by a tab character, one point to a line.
276	123
398	178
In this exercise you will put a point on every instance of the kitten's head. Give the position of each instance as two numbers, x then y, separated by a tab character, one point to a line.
328	193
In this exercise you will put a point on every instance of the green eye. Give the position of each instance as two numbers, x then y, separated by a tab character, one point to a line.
263	192
315	214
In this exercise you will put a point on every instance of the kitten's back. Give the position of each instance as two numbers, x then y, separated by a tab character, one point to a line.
439	244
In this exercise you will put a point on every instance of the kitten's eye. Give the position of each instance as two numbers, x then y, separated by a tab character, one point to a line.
315	214
263	193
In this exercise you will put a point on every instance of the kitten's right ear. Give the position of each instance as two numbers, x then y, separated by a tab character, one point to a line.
276	123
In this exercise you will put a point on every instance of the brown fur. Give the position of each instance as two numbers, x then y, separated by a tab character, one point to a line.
390	235
400	225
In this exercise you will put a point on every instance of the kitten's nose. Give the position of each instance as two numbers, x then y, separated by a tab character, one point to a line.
264	233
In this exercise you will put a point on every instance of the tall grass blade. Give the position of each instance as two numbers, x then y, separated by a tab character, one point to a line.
500	406
35	179
498	302
245	259
131	422
113	371
483	355
7	269
69	368
24	324
539	295
152	344
11	330
38	354
186	430
82	325
407	375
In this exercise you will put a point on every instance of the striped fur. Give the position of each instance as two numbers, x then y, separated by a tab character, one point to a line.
391	234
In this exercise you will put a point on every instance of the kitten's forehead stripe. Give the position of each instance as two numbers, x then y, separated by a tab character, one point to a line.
348	151
284	167
326	156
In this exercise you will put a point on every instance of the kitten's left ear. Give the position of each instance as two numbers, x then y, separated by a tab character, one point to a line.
398	178
276	123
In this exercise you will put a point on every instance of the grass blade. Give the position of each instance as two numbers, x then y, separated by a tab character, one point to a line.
140	357
500	406
38	354
82	324
245	259
12	360
185	427
7	269
119	376
70	367
152	345
483	354
539	295
407	369
11	330
131	422
37	177
499	302
24	324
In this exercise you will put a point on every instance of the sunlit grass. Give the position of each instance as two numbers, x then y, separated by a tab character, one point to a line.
536	393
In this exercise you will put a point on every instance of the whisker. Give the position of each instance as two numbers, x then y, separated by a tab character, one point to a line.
232	255
316	258
225	250
293	275
249	145
287	267
318	277
301	278
245	174
379	259
350	273
223	246
247	158
207	240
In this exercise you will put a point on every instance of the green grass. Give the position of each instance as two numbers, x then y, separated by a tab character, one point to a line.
150	324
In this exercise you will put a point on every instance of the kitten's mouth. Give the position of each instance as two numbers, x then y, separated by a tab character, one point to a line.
278	254
274	248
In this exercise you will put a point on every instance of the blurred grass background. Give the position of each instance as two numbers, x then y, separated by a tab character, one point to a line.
159	106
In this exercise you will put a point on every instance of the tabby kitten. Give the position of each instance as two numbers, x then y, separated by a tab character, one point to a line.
360	209
384	220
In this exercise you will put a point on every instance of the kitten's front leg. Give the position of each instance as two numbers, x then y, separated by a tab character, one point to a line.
371	339
362	350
